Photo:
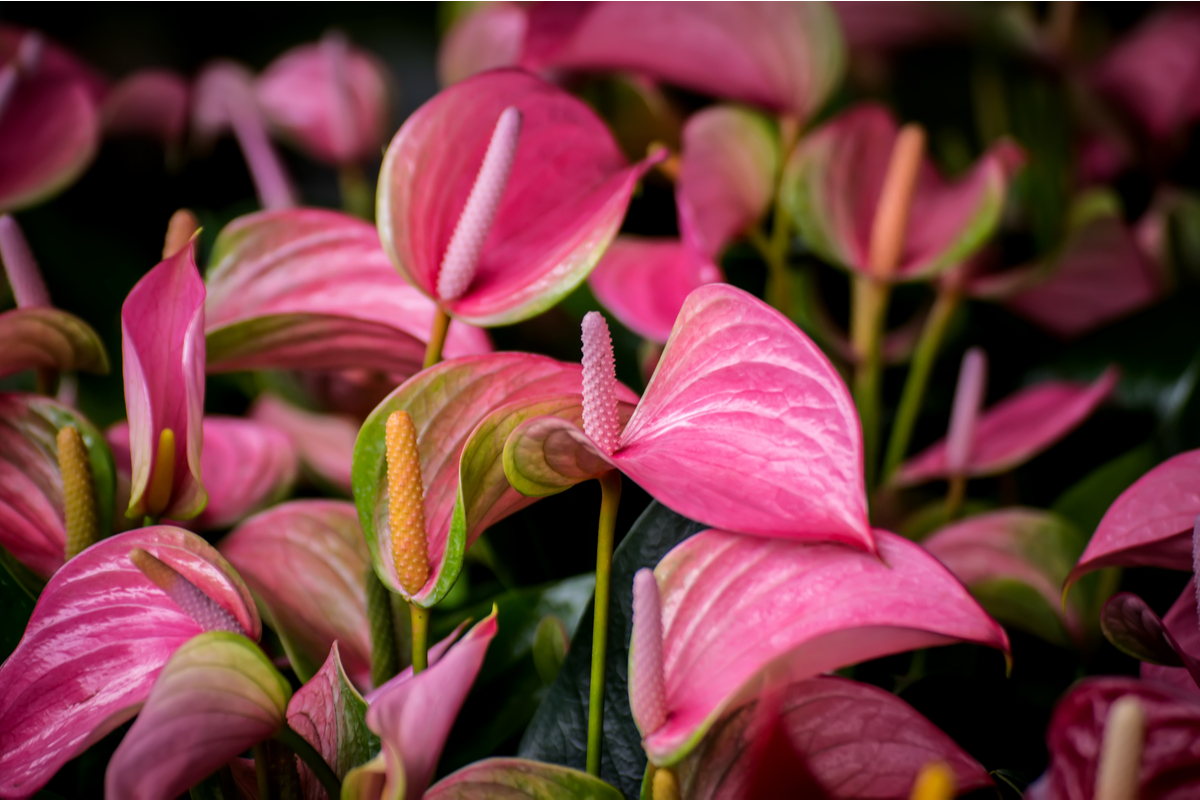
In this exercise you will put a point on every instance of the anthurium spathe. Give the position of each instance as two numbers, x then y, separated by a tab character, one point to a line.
462	410
482	38
100	633
162	344
692	657
520	778
1180	627
834	180
744	425
151	103
550	195
312	289
787	58
324	442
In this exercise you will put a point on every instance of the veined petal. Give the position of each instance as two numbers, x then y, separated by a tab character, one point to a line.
1182	628
312	289
216	697
1134	629
644	282
324	442
1016	429
306	561
49	338
99	635
826	606
564	200
162	344
519	778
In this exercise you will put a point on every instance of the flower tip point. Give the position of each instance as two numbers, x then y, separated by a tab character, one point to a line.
181	230
968	401
406	503
647	691
935	781
79	493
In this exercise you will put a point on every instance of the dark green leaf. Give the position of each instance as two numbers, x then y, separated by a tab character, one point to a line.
17	604
1085	503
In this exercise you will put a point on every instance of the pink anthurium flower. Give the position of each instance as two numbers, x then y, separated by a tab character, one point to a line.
305	561
312	289
744	425
1009	433
787	58
101	631
152	103
827	606
247	465
35	334
32	507
162	344
498	196
834	179
1181	629
329	98
324	442
857	741
485	37
49	118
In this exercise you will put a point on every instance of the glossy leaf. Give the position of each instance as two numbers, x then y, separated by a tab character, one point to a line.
306	561
488	37
517	778
216	697
32	523
833	180
18	602
312	289
857	741
564	200
1015	430
99	636
49	338
787	58
324	442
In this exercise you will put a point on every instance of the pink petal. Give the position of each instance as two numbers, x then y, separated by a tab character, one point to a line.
447	403
49	338
787	58
312	289
833	180
324	442
247	465
728	170
1183	626
216	697
1016	429
564	200
519	778
857	741
306	560
741	392
824	605
99	635
1150	524
890	26
152	103
413	716
162	344
644	282
484	38
329	98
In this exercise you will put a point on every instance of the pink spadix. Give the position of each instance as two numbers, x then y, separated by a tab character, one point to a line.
26	61
968	400
462	254
196	604
647	693
19	265
600	420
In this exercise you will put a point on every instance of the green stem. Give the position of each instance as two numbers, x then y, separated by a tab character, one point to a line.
313	759
918	378
420	638
610	498
262	771
357	198
46	382
778	293
385	662
955	492
868	312
437	337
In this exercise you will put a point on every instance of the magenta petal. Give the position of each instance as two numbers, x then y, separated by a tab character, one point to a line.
162	342
483	38
312	289
329	98
644	282
1183	626
518	778
324	442
99	635
413	716
858	741
49	338
151	103
1150	524
1134	629
1016	429
565	198
728	170
825	606
305	561
216	697
786	57
747	426
247	465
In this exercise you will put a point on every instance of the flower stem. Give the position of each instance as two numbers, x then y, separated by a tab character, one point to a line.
312	759
610	498
955	492
437	337
385	662
918	378
420	638
868	311
262	770
357	198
